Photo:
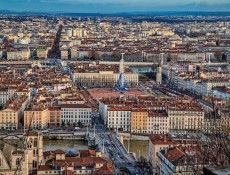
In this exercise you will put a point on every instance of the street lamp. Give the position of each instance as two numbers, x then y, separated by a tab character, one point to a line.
103	146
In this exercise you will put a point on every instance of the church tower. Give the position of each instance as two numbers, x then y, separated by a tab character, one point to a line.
159	70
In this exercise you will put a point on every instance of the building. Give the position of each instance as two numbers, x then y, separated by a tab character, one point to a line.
158	142
187	117
34	147
42	53
4	95
36	117
64	54
139	123
85	162
18	55
12	112
177	160
13	160
74	113
54	114
119	118
99	75
159	75
157	122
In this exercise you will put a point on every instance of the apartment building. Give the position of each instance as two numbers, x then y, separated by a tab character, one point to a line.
36	117
158	122
175	161
119	118
18	55
74	113
12	112
54	116
184	119
158	142
4	95
139	123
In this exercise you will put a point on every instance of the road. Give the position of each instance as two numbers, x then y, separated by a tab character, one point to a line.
113	149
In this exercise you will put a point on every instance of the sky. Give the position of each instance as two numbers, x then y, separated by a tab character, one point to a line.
114	6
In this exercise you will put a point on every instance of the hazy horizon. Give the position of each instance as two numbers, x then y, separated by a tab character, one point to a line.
115	6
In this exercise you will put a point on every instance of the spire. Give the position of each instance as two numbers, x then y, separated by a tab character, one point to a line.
120	85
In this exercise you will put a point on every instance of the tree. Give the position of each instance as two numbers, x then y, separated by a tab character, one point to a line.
218	55
213	148
74	124
224	57
143	166
63	123
79	123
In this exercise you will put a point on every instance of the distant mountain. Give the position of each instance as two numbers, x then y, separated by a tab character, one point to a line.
22	12
6	12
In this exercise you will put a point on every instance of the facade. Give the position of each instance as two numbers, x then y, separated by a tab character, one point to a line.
74	113
9	118
158	142
64	54
13	160
36	118
98	75
177	161
34	147
54	115
185	121
139	123
103	79
42	53
4	96
158	122
12	112
23	54
119	118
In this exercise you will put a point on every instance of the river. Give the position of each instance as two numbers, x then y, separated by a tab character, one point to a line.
135	146
64	144
138	145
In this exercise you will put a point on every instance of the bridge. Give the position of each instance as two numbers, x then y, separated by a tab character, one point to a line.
52	134
112	148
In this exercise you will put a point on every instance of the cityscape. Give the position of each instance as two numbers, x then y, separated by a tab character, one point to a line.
92	88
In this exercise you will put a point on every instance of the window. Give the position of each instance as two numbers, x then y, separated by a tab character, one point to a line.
35	142
34	164
17	162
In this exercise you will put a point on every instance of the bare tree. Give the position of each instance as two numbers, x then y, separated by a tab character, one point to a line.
213	145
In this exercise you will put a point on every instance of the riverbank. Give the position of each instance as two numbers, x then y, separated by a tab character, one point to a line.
135	146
